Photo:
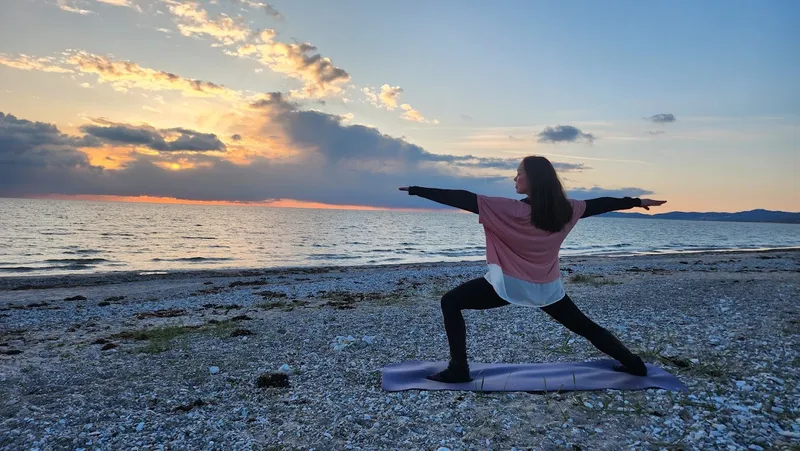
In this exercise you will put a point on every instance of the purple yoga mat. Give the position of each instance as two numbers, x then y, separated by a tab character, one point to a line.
557	376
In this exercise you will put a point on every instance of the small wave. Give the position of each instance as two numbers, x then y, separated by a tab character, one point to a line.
116	234
20	269
79	261
56	233
84	251
74	266
191	259
331	257
454	253
199	238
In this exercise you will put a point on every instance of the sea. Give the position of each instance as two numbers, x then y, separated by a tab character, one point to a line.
60	237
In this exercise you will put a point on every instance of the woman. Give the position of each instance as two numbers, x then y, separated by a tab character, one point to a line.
523	238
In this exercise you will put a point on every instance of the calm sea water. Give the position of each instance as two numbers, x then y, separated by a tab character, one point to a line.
63	237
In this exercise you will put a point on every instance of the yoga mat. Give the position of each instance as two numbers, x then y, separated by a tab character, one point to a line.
529	377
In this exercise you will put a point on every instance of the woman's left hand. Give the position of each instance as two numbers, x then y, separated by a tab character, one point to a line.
647	203
404	188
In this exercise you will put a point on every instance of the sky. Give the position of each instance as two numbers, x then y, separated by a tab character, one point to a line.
338	104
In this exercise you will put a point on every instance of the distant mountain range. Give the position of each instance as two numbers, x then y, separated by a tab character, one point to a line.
742	216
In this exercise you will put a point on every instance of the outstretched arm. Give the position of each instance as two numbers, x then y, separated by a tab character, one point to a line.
457	198
602	205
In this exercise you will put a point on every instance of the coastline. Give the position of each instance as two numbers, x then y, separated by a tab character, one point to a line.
122	359
24	282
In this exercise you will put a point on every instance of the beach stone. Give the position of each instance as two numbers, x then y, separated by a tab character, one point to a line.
267	380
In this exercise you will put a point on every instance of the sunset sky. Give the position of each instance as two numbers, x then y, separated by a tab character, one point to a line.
323	103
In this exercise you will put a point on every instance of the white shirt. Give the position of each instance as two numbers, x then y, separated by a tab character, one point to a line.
522	292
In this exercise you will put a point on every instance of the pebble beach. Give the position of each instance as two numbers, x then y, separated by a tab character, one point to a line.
292	358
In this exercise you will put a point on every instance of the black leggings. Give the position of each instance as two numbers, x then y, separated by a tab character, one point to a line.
478	294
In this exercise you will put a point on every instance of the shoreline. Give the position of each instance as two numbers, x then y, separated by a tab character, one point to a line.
175	360
26	282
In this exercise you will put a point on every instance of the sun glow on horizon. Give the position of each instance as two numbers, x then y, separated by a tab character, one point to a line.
277	203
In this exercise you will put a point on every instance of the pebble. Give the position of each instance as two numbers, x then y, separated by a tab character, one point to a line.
213	369
334	385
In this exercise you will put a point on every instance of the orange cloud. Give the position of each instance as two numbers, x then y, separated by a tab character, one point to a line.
25	62
193	21
298	60
123	75
389	98
109	157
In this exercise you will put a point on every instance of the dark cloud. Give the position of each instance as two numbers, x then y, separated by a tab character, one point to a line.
564	133
236	137
187	140
361	166
340	143
589	193
40	144
272	12
36	157
662	118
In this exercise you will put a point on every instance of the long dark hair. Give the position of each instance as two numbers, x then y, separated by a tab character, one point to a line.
550	209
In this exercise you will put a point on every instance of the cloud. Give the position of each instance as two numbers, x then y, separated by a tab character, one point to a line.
389	98
590	193
655	132
124	75
564	133
193	21
39	142
270	10
28	148
467	117
236	137
127	3
71	6
25	62
171	139
661	118
333	163
326	135
301	61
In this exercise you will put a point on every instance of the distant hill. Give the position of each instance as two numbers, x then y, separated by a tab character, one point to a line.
742	216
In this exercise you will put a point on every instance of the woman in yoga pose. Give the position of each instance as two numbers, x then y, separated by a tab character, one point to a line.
523	239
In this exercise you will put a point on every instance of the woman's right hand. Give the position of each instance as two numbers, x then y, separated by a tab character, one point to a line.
647	203
404	188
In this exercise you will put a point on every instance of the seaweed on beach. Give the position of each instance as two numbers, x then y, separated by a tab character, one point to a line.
240	283
595	280
345	300
76	298
212	290
223	306
284	306
162	313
